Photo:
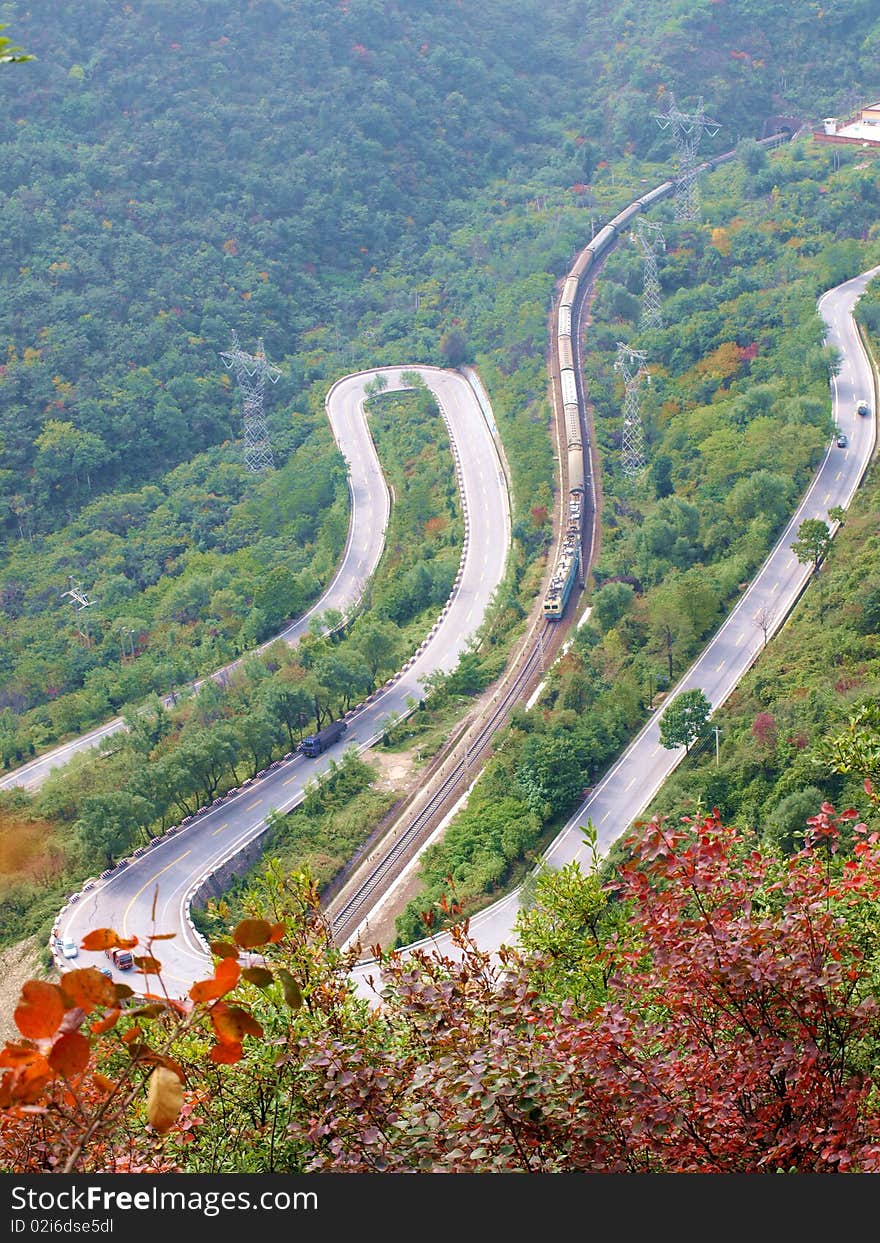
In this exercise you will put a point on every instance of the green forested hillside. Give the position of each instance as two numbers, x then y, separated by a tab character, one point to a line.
354	182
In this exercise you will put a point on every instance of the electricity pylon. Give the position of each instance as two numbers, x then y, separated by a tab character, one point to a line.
687	130
631	365
80	602
251	372
648	235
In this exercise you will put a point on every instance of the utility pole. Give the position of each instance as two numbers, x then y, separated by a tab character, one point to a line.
717	733
251	372
648	236
687	130
631	365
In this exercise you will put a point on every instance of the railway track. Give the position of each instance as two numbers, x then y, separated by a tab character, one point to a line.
385	872
547	639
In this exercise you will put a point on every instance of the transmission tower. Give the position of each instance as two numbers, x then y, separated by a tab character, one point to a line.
251	372
649	237
80	602
687	130
631	365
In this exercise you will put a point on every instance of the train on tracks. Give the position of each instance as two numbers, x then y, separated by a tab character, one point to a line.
568	567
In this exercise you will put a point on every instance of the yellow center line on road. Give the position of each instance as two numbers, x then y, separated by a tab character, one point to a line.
827	497
254	804
179	859
224	825
837	476
775	585
631	784
290	780
721	666
605	817
741	640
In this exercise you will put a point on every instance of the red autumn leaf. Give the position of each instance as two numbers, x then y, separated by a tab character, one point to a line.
133	1033
102	1082
70	1054
226	1054
106	939
277	932
87	988
40	1011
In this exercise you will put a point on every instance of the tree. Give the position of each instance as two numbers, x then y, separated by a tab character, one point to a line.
612	602
9	53
684	720
812	542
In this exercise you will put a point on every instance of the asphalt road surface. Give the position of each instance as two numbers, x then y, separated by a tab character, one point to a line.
171	869
627	789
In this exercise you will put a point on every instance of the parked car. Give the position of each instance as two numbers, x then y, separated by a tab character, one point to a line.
842	441
69	947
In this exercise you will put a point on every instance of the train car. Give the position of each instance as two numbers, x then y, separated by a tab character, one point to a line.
563	320
602	240
564	351
655	195
620	221
582	264
569	387
576	471
569	291
573	426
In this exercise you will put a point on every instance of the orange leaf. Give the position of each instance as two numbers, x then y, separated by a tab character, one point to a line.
40	1011
226	1054
87	988
32	1080
70	1054
131	1035
252	932
108	1021
102	1082
278	931
225	979
106	939
231	1023
18	1055
163	936
148	965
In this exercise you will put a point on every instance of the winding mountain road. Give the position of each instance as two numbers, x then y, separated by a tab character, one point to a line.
170	870
370	504
628	787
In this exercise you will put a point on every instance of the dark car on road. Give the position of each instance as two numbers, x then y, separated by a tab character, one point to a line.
842	441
